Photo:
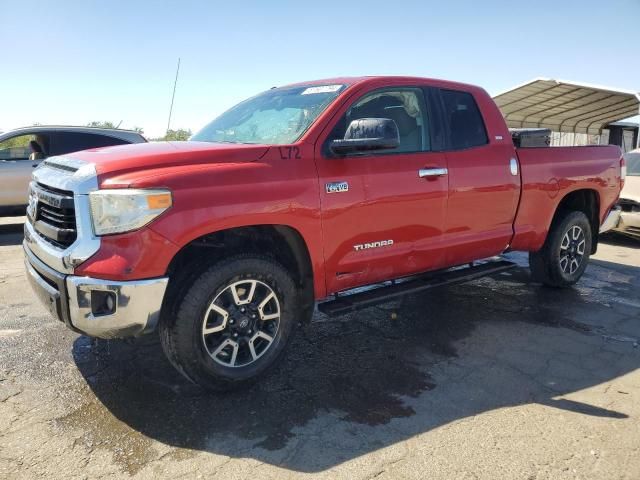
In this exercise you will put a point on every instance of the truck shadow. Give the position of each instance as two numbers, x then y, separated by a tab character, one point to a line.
371	379
615	238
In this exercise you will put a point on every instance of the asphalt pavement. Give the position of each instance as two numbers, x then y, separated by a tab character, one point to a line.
497	378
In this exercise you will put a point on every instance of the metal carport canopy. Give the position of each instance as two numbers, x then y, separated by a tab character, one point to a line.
566	106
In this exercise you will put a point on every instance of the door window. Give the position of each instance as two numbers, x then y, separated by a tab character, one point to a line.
17	148
466	127
404	106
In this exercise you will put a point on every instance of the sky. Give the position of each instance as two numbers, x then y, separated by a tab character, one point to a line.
73	62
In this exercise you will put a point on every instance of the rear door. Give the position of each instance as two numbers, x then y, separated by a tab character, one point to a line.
380	218
484	183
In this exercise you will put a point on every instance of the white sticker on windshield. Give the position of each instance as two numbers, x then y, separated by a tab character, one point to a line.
321	89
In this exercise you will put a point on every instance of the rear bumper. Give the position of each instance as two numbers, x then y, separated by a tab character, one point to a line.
611	221
629	224
136	306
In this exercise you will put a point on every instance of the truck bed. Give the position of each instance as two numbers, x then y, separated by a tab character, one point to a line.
549	174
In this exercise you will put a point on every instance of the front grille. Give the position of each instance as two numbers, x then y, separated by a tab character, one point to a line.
54	216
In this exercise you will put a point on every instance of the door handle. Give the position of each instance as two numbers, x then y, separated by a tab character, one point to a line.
513	167
432	172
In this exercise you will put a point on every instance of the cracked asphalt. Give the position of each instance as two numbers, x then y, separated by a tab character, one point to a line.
497	378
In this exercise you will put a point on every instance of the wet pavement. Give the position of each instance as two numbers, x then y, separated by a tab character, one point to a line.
497	378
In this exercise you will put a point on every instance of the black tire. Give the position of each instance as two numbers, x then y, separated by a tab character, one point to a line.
550	264
183	338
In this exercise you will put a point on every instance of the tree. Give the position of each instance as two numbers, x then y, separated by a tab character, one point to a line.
178	135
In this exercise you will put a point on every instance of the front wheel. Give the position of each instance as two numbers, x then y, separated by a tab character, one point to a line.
233	323
565	254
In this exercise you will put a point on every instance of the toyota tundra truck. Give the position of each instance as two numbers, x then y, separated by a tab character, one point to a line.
303	195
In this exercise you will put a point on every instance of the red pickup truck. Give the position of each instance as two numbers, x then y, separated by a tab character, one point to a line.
301	194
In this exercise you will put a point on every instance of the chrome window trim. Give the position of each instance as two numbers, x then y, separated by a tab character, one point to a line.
81	178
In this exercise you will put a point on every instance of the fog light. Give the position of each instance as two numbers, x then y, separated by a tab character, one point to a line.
103	302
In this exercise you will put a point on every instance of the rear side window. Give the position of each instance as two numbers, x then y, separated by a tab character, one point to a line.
466	127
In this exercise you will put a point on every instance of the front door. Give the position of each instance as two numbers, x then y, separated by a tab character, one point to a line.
380	218
16	168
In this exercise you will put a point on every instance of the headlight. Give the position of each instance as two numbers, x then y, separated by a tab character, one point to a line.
117	211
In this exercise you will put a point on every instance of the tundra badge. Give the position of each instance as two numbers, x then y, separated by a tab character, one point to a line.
337	187
365	246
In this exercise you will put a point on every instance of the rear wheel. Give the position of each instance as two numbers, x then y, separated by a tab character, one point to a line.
233	323
565	254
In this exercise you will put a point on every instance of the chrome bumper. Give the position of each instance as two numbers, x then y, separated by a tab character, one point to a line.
136	306
611	221
136	310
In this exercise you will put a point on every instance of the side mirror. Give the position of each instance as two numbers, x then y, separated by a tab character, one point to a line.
367	134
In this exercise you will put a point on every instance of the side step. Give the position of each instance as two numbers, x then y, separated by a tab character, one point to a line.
349	302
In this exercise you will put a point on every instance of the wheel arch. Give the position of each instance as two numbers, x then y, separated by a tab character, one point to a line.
279	242
584	200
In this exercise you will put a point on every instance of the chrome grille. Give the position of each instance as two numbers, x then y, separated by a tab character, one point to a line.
52	213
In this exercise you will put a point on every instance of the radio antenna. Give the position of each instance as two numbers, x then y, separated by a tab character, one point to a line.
173	95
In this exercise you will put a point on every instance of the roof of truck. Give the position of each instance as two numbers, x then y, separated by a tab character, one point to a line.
566	106
391	78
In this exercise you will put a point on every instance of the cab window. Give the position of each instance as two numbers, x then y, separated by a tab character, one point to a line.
404	106
466	127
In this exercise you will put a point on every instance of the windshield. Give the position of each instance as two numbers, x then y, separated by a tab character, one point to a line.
633	163
275	117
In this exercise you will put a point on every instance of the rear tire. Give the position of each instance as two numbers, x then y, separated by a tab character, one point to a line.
565	253
233	324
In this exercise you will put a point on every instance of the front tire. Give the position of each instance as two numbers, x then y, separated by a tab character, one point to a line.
566	251
233	323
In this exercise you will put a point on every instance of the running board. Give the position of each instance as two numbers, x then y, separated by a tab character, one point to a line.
349	302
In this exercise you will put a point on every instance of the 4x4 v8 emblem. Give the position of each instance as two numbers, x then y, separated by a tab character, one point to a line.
337	187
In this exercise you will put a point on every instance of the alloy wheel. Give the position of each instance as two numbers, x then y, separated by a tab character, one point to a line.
241	323
572	250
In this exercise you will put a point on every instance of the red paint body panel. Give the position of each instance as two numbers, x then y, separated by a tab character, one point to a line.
472	213
130	256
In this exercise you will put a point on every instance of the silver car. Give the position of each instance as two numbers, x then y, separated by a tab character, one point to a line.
629	202
23	149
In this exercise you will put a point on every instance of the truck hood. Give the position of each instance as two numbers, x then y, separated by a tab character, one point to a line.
631	190
154	155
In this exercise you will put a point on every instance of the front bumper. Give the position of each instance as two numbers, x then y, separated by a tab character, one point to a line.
135	311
